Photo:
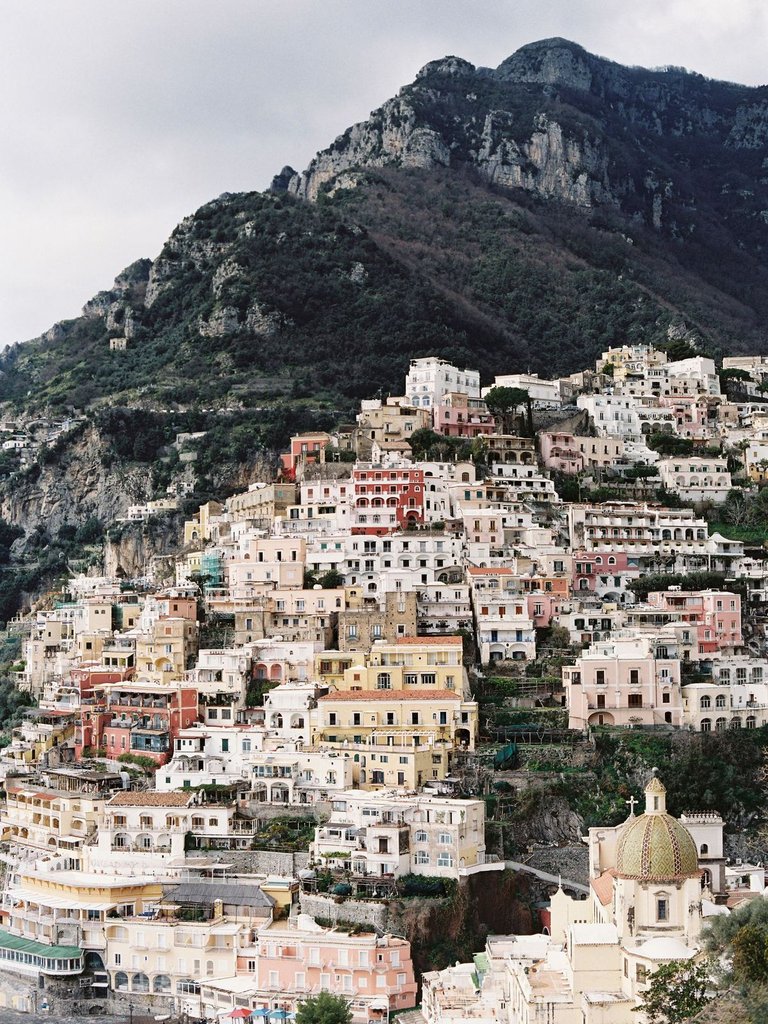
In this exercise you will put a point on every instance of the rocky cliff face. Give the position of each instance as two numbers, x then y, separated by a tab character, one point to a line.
559	123
129	551
71	489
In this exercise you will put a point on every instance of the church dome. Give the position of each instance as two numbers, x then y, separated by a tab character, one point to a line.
655	847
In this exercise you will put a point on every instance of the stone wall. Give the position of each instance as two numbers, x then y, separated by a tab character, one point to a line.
258	862
326	908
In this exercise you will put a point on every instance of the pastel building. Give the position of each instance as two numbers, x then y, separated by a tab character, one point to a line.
390	833
373	972
715	615
505	629
626	680
459	415
360	717
570	453
696	479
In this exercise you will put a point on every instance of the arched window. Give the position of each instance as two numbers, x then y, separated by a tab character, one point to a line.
751	722
720	700
706	725
721	725
140	983
704	849
383	681
705	702
421	836
735	723
121	982
162	983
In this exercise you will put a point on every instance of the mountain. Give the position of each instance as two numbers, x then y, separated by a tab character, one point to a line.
522	217
518	218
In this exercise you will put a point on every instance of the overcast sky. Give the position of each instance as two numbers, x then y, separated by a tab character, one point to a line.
119	117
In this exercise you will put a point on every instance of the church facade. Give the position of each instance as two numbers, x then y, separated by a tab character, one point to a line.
645	908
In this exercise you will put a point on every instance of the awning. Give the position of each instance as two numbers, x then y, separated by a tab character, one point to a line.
57	902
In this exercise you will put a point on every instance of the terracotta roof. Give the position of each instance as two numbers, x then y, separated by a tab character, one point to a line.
436	641
477	571
142	799
603	886
361	696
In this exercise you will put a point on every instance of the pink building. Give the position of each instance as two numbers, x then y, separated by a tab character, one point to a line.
459	415
625	681
716	614
572	453
304	448
695	415
559	452
543	607
291	961
604	572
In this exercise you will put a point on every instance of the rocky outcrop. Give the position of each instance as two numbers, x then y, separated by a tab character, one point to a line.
549	62
391	136
550	164
552	120
74	488
130	550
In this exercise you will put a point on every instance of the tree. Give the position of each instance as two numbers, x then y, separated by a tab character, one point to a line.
750	954
331	580
676	992
324	1008
503	402
669	444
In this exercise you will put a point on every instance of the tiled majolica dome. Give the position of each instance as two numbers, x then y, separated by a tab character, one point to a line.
655	847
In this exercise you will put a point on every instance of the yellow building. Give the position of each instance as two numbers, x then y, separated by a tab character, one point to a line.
194	934
405	760
411	663
357	717
68	910
57	813
198	528
165	654
330	667
42	730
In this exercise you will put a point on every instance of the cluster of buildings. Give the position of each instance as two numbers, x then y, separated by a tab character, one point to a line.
352	600
652	886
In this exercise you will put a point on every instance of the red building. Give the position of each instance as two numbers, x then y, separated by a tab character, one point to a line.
303	449
386	498
135	718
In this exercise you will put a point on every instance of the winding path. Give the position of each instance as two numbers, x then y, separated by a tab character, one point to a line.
515	865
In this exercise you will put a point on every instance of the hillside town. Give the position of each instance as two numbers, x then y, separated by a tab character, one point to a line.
233	766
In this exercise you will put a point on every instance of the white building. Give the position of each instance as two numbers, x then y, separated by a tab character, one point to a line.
696	479
390	833
430	379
